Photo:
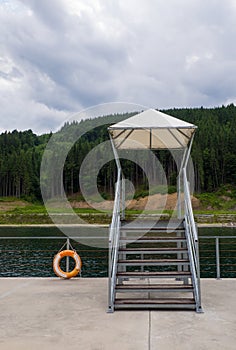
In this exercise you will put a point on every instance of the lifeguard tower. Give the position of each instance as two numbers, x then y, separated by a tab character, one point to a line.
154	265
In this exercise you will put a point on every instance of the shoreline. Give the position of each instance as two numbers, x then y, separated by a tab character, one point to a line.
104	220
54	225
199	225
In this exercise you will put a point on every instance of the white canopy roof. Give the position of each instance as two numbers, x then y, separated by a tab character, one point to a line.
153	130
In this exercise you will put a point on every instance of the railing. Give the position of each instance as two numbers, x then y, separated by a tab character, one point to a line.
25	256
114	236
217	255
192	241
224	258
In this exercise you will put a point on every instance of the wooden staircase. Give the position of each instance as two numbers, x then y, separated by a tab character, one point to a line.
153	271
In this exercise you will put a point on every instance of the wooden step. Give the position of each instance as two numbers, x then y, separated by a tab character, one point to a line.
154	274
152	250
148	239
154	287
152	226
152	229
153	262
156	301
161	303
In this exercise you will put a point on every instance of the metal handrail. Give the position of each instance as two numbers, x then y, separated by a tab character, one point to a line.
114	236
192	241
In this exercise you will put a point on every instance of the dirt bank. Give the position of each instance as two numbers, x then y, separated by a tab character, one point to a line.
154	202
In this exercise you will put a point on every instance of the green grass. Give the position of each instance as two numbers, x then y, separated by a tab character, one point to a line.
160	189
40	209
10	199
221	201
215	212
134	211
31	208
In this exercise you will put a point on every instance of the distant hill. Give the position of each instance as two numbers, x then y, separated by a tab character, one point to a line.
213	154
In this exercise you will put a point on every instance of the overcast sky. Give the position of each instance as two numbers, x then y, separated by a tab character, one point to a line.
59	56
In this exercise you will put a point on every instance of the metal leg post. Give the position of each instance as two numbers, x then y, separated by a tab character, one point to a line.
217	259
67	258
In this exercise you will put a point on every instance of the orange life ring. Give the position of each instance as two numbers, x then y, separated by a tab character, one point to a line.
56	264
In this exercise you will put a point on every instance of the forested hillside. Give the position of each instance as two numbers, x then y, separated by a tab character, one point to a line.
213	154
20	157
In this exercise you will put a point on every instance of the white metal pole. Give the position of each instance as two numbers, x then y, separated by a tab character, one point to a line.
67	258
179	206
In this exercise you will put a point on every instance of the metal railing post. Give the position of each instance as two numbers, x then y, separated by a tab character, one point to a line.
122	198
217	259
198	273
67	258
179	180
192	240
109	274
179	207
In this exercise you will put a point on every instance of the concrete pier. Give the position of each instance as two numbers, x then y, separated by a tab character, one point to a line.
53	314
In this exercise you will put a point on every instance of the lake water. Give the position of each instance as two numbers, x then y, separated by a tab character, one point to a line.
33	257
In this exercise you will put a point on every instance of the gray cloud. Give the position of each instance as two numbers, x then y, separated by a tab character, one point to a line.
59	56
